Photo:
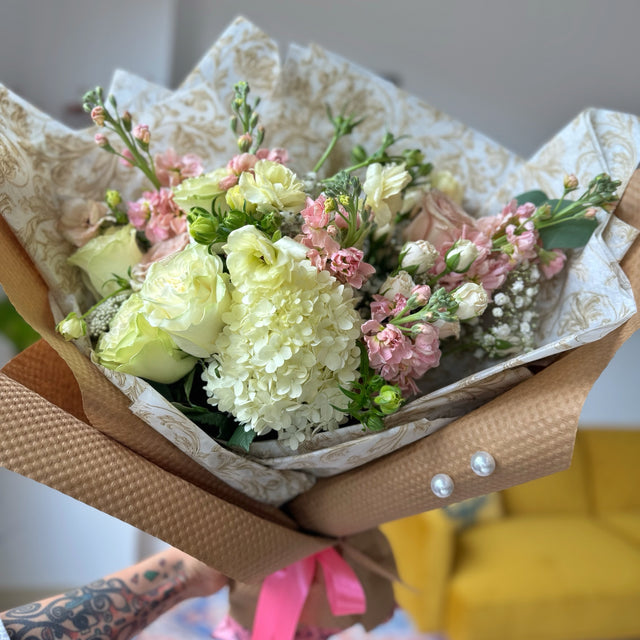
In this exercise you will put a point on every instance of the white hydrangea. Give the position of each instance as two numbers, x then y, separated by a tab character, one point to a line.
288	343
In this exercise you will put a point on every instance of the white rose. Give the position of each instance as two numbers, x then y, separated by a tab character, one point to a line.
186	295
106	255
401	283
383	187
420	254
472	300
133	346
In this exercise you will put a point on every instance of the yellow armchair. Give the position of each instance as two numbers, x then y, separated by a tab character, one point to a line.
561	563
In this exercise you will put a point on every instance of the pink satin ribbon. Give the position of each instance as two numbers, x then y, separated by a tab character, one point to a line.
284	593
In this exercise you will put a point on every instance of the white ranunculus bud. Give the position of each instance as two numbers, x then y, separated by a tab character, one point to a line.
461	256
472	300
401	283
420	254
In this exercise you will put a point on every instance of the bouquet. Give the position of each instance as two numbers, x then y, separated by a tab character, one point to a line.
296	304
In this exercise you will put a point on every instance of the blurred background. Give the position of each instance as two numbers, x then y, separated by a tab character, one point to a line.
518	72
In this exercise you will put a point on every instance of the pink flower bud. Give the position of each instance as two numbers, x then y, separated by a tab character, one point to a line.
97	115
570	181
101	140
141	132
590	213
128	160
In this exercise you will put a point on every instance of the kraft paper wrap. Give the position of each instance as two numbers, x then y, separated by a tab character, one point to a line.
530	430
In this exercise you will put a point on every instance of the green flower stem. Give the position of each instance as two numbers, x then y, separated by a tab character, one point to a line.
129	140
327	152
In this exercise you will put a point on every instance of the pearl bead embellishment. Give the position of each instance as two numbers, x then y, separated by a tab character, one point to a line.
483	463
442	485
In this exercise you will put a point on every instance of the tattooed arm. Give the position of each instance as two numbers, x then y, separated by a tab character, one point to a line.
118	606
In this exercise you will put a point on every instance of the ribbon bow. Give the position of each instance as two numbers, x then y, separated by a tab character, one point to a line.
284	593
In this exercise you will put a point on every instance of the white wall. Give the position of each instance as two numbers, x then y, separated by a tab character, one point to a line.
516	71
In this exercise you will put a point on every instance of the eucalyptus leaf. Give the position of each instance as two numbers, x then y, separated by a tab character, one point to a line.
570	234
241	438
536	197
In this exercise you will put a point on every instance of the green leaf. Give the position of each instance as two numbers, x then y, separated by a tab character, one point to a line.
15	328
188	382
570	234
536	197
241	438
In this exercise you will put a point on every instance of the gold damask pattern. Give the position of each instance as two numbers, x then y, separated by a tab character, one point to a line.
42	163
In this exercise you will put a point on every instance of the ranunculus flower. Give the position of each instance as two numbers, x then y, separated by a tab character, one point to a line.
272	187
383	186
439	220
81	220
134	346
200	191
472	300
186	295
106	255
172	169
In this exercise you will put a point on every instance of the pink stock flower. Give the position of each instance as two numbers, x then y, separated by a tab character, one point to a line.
524	243
386	345
172	169
158	215
101	140
228	181
422	294
98	115
552	265
397	358
348	267
314	213
242	162
128	160
277	154
141	132
139	211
